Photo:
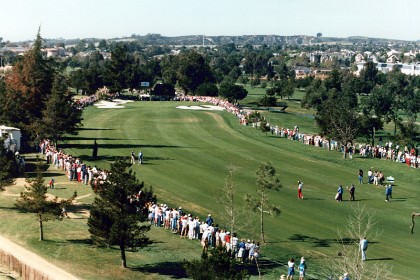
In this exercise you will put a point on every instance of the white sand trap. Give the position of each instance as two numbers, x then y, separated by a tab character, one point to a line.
114	104
202	107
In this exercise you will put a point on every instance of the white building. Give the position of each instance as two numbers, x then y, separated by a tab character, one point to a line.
12	137
408	69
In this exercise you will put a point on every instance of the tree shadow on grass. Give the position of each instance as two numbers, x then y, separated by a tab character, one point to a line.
98	158
146	161
115	146
86	241
53	174
317	242
76	138
8	208
173	270
31	175
299	237
91	128
381	259
30	165
79	209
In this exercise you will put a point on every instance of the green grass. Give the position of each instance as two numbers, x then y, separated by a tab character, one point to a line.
186	156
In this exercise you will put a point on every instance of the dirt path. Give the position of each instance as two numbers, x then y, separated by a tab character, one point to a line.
34	261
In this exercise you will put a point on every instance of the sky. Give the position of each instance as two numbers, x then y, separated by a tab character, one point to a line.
72	19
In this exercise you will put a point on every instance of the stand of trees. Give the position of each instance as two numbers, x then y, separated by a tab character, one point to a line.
343	114
32	93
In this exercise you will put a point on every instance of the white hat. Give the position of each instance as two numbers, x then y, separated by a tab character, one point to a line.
228	232
346	274
209	215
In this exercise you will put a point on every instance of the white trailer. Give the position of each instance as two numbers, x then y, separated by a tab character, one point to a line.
12	137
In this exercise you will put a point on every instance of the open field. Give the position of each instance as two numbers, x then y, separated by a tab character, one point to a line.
186	156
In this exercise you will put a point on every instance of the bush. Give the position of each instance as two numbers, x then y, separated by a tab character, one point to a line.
217	265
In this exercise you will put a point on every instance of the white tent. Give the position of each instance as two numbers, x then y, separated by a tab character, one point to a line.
12	142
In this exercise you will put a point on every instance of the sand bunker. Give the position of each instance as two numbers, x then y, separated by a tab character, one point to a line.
202	107
114	104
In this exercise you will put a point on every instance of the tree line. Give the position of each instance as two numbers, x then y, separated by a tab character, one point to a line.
348	106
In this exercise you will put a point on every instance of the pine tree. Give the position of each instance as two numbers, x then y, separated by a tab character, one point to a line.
35	200
119	68
27	86
118	213
59	116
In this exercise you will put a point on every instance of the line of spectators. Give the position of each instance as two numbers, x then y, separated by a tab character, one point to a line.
206	231
409	156
85	101
74	167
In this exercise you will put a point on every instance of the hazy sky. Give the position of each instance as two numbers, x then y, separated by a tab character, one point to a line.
19	20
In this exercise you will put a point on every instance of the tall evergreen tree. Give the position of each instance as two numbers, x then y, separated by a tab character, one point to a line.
118	213
35	200
60	116
117	72
27	87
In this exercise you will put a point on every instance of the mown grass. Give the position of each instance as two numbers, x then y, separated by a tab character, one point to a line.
186	156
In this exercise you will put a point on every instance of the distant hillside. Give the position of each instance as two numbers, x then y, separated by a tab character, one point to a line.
157	39
222	40
357	40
